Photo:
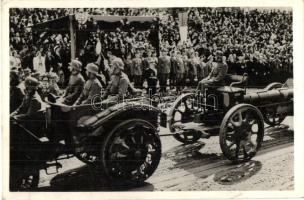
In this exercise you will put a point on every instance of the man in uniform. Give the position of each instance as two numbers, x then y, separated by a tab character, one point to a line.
75	85
180	71
216	76
119	84
137	66
164	66
92	86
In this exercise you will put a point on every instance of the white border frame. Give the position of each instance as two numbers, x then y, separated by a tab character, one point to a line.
298	22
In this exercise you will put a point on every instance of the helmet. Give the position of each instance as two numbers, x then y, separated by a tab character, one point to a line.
92	68
76	64
118	62
31	82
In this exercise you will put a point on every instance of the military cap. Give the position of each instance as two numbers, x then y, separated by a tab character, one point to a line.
92	68
75	64
118	62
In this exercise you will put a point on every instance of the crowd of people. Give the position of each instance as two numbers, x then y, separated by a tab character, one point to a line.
255	41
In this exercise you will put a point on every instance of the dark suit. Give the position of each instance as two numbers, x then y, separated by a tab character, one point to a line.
163	68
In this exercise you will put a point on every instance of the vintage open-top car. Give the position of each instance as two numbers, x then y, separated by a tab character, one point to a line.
120	139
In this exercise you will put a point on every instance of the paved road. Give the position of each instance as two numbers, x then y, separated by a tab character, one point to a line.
199	166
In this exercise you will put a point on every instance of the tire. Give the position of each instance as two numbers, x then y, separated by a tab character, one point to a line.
130	152
184	137
269	113
239	133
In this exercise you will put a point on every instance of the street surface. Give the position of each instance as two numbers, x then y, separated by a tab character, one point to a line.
196	167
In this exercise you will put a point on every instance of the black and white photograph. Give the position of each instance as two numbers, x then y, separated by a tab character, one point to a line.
105	99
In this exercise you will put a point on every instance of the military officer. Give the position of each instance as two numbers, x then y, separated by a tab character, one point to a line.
137	65
92	86
180	71
163	69
119	84
216	76
75	85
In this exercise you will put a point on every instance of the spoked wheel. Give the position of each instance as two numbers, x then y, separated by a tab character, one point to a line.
23	180
241	132
271	117
183	111
131	151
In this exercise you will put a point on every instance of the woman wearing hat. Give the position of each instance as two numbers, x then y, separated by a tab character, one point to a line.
76	83
92	86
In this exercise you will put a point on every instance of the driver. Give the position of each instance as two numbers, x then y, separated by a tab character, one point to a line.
216	76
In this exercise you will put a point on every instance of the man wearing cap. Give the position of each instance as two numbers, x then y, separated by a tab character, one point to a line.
217	74
92	86
119	83
164	66
137	65
31	102
75	85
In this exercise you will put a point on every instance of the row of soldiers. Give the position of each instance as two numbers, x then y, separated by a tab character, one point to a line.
176	68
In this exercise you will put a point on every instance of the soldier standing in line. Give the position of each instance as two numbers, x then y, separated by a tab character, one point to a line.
186	67
92	86
173	70
164	66
137	66
180	71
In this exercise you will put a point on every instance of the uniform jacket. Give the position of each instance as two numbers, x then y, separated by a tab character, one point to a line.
180	68
164	65
118	85
218	72
74	89
91	89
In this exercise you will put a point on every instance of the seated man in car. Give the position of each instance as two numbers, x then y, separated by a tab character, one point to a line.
216	76
119	84
92	86
31	103
27	113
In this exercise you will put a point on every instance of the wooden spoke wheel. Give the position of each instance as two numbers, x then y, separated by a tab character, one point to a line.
241	132
271	117
182	112
131	151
